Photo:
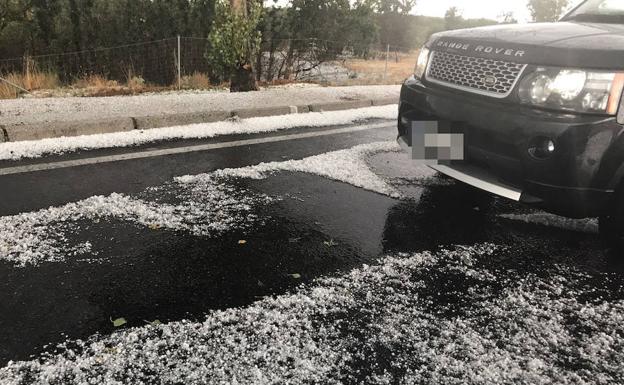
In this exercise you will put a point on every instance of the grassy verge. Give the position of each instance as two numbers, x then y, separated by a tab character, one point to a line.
32	80
47	84
400	66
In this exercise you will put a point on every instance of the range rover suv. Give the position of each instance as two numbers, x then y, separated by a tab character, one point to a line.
540	108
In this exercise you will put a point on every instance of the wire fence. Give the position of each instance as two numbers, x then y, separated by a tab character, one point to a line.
181	62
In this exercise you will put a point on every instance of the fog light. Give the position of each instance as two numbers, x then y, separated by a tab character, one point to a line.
542	148
550	146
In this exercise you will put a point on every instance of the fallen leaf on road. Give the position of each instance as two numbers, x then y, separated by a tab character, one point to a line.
119	322
295	276
242	242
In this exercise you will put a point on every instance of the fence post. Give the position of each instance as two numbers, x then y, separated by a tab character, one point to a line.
28	83
387	58
179	65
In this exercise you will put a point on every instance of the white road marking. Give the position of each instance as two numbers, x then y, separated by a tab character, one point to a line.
182	150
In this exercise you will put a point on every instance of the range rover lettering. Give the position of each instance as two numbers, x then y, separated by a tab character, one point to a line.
540	109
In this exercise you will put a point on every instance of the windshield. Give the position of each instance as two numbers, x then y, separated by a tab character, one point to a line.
599	11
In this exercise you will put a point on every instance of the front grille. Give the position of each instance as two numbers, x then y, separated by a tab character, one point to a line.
485	76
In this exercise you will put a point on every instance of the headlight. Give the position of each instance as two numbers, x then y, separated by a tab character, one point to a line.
421	63
572	89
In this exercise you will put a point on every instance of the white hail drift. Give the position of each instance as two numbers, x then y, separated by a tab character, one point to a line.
208	208
348	166
38	148
504	329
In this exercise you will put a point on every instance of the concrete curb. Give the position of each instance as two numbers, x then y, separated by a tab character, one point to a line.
4	137
158	121
23	132
16	133
384	102
262	112
337	106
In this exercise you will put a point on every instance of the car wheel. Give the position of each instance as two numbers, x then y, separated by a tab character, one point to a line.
612	227
474	198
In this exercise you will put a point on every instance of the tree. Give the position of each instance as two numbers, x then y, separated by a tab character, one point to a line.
453	18
13	11
547	10
233	41
319	31
299	38
202	13
507	18
363	29
395	27
76	27
43	15
275	34
403	7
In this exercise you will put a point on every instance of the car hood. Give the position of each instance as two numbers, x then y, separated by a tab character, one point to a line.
570	44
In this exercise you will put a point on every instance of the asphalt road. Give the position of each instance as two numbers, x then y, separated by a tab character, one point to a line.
269	236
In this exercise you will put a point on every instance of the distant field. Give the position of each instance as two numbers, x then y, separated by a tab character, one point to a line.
47	84
400	66
346	72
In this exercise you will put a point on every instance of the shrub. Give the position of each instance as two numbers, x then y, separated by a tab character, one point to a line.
95	81
197	80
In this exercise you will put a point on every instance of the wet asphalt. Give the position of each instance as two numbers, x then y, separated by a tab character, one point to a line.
319	227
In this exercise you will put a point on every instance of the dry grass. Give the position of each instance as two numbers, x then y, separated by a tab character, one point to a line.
95	82
36	80
136	83
47	84
8	91
280	82
400	66
196	81
30	80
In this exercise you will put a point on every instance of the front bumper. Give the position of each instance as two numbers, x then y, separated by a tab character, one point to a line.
578	180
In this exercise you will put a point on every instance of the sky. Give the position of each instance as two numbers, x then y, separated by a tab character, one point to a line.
490	9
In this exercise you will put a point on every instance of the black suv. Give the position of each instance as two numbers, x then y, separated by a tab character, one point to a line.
540	108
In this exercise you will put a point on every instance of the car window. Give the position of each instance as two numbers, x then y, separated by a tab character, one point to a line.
611	7
601	7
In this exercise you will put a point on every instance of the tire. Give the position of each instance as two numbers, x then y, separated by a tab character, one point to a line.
475	199
468	197
612	235
612	227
